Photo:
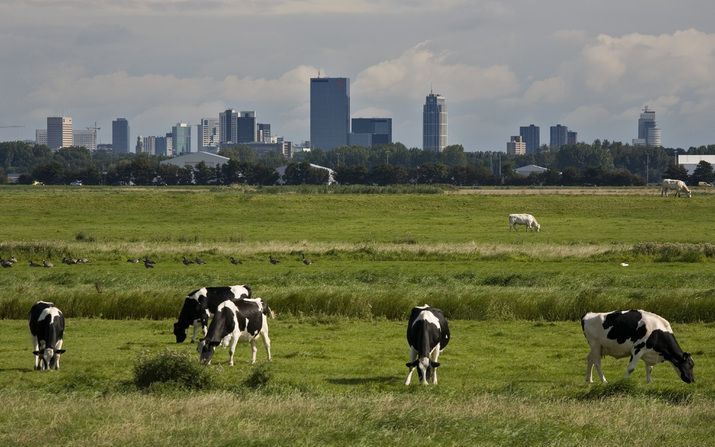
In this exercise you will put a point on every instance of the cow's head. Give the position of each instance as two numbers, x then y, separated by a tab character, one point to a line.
425	367
537	226
684	366
179	332
48	357
206	350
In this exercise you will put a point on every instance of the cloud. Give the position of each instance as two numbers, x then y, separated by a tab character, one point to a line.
372	112
411	74
551	90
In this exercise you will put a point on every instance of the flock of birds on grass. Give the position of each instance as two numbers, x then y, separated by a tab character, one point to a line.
148	263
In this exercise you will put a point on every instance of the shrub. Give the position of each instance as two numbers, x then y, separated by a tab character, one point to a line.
172	368
259	377
82	237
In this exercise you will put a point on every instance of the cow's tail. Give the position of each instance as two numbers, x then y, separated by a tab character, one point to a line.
267	311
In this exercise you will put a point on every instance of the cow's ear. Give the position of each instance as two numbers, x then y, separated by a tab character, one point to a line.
412	364
60	351
37	352
434	364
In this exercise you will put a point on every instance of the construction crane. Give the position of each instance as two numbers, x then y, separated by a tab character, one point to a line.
96	132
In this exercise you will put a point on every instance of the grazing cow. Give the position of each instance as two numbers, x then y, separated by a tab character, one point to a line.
678	186
47	326
523	219
243	319
635	333
200	304
427	335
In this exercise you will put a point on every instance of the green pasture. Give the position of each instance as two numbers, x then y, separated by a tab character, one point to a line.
338	381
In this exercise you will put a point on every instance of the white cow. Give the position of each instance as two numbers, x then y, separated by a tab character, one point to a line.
677	185
523	219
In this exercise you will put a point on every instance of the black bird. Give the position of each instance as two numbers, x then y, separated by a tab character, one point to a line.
133	260
69	261
186	260
146	259
273	260
34	264
306	261
200	261
5	263
234	261
12	259
148	263
47	264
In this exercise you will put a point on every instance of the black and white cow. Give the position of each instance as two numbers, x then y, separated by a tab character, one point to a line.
200	304
47	326
635	333
237	320
427	335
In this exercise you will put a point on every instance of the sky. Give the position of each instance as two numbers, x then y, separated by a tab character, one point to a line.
591	66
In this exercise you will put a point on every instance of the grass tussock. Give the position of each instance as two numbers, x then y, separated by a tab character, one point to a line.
675	252
171	370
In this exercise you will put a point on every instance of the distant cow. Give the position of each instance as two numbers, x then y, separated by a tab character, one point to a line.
523	219
427	335
678	186
635	333
200	304
237	320
47	326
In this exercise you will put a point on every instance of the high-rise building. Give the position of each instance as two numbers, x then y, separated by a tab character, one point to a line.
379	130
571	137
160	146
41	137
648	131
228	127
247	127
530	135
207	137
329	112
559	136
434	123
120	136
181	137
264	133
516	146
59	132
149	144
85	138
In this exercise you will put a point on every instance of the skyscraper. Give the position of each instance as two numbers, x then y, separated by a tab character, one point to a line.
181	137
120	136
85	138
59	132
379	129
559	136
648	132
228	127
264	133
247	127
530	135
41	136
571	137
207	136
516	146
434	123
329	112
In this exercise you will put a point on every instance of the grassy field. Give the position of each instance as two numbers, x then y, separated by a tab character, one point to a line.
513	373
340	382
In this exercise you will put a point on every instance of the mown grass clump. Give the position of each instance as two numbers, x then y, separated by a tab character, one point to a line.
171	369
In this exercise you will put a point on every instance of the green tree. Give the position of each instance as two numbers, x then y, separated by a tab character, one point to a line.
703	173
676	171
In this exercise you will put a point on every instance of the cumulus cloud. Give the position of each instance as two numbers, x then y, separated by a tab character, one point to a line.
411	74
551	90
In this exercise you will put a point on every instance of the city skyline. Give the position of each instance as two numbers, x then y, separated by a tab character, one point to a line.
594	72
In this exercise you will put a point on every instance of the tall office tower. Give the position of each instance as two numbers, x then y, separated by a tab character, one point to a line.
648	131
559	136
59	132
85	138
516	146
41	136
228	127
160	146
207	137
264	132
149	145
379	130
329	112
571	137
247	127
181	137
120	136
434	123
530	135
170	144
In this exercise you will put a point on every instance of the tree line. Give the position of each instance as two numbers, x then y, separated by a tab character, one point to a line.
599	163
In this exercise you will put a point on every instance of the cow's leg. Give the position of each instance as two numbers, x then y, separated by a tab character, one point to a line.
267	343
58	345
634	361
413	357
36	348
254	350
198	326
589	369
594	357
648	370
434	358
232	349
